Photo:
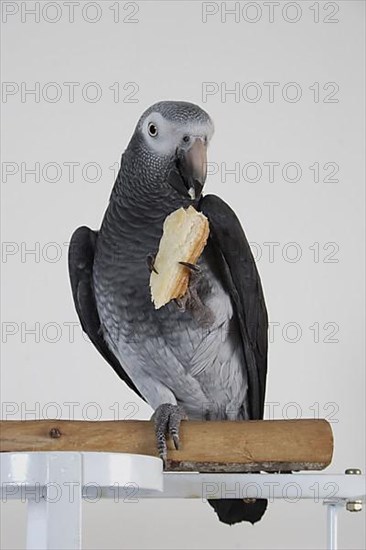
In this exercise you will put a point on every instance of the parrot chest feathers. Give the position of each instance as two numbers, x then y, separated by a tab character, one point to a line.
191	354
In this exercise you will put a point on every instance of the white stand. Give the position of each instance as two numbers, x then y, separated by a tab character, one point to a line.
54	484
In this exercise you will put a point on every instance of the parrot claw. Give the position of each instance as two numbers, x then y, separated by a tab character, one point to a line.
176	441
150	263
190	298
190	266
167	419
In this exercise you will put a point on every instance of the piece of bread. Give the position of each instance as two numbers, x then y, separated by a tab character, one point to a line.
185	233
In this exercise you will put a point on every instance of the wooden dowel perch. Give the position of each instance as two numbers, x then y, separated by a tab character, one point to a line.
245	446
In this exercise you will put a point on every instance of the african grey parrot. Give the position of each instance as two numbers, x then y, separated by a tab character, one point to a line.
205	358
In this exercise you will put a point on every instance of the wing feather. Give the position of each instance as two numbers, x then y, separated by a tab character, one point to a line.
81	259
244	285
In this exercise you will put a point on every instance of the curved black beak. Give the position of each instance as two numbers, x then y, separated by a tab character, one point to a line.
189	175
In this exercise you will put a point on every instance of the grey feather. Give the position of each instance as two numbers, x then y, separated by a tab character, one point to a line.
213	363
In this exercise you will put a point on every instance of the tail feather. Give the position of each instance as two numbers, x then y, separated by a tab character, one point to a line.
232	511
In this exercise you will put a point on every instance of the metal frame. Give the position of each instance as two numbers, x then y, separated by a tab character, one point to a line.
54	484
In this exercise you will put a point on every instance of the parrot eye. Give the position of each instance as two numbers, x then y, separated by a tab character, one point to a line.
186	139
152	129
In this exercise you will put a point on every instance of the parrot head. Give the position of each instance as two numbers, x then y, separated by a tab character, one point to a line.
170	141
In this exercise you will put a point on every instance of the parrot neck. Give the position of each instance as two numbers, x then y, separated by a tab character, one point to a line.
136	214
142	195
147	203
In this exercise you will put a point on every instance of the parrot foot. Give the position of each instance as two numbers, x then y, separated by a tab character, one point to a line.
150	259
192	302
167	419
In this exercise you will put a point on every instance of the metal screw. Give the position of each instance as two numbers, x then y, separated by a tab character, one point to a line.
354	505
353	471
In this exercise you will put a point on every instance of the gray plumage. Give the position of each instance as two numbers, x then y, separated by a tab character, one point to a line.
210	359
169	357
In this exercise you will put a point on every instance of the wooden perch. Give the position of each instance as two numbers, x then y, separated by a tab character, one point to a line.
243	446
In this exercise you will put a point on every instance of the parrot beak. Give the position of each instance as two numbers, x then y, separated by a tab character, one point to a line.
196	166
191	166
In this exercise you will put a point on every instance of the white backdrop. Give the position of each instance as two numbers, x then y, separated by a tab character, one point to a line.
284	83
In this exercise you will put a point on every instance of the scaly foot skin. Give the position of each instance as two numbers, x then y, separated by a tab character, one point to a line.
191	300
167	419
